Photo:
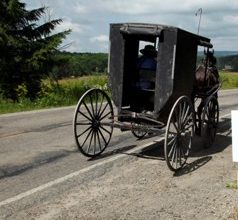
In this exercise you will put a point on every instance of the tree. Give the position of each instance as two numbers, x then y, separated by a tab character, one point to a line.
27	48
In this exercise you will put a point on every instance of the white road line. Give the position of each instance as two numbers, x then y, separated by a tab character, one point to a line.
76	173
71	175
225	116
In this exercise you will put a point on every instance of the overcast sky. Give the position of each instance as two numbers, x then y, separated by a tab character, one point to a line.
90	19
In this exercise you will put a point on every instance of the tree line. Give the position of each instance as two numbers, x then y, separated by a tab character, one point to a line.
228	61
80	64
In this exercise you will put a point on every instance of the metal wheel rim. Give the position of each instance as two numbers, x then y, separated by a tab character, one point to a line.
93	122
179	133
210	118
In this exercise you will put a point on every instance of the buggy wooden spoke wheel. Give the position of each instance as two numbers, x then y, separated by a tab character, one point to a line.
93	122
210	118
179	133
138	132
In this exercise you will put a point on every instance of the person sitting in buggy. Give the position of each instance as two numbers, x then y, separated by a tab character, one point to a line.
146	66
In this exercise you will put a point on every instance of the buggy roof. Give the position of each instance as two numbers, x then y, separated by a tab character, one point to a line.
155	30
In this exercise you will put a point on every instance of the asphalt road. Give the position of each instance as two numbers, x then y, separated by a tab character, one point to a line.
37	152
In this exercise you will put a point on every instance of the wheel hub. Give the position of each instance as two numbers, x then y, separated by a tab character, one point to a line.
96	122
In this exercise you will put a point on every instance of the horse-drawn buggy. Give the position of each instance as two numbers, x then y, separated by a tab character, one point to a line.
174	99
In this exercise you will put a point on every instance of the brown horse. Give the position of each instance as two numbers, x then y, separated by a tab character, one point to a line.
206	77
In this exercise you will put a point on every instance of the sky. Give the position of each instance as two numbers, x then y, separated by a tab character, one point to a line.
90	19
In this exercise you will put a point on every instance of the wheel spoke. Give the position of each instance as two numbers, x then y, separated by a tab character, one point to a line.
90	141
99	142
185	116
174	155
90	119
172	140
175	126
186	128
84	132
100	114
102	136
101	118
188	118
89	112
83	123
105	129
179	114
176	113
100	107
172	148
86	138
91	102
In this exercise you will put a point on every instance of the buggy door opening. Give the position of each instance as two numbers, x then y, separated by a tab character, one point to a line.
140	65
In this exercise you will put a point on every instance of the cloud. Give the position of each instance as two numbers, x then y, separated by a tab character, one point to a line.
68	24
101	38
81	9
101	41
89	20
142	7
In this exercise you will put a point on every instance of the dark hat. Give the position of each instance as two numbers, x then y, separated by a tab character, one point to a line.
149	50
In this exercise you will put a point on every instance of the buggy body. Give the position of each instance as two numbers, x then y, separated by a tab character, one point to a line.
176	63
169	106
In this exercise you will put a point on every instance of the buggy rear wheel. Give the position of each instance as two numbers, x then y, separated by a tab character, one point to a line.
210	118
93	122
179	133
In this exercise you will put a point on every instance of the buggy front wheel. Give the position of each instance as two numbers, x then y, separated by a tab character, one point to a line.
179	133
93	122
210	118
138	130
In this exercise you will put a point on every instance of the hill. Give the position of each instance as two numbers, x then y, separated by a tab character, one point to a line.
225	53
221	53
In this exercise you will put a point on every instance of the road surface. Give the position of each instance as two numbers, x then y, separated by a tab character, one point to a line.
40	163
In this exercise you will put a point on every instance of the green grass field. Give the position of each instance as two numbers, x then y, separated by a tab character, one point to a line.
68	91
229	80
64	93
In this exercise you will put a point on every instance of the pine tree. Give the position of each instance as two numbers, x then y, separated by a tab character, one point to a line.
27	48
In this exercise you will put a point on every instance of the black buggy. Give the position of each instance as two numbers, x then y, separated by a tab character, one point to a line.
174	106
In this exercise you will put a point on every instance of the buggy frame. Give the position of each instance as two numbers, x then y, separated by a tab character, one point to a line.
172	109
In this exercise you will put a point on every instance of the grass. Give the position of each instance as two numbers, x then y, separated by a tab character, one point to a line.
64	93
232	185
229	80
68	91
